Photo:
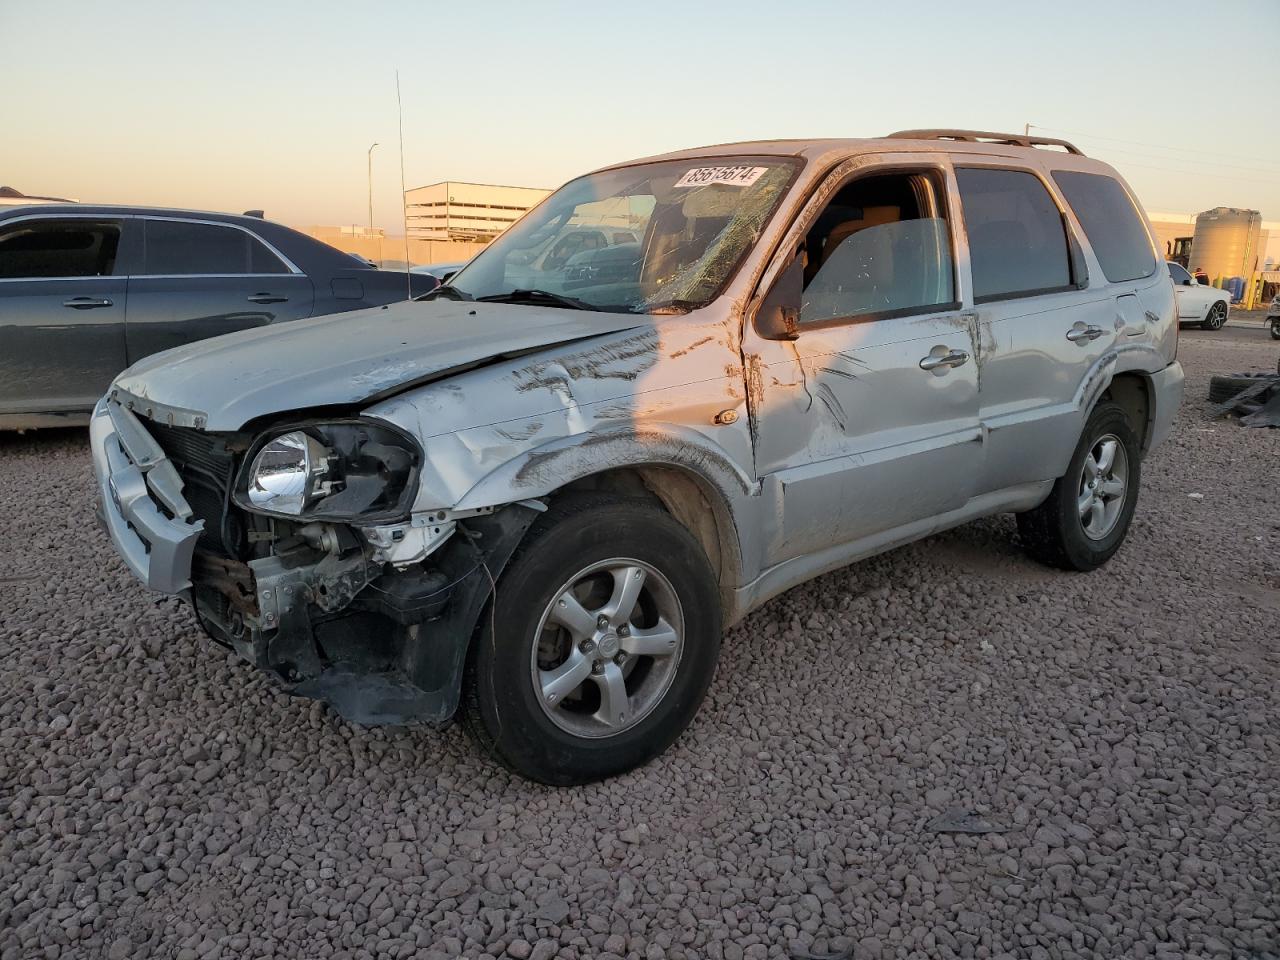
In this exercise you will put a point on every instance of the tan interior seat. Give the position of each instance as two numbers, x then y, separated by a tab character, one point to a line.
871	217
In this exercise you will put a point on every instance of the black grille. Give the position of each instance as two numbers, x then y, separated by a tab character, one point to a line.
207	469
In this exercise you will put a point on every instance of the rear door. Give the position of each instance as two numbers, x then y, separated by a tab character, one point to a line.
1041	328
62	311
200	279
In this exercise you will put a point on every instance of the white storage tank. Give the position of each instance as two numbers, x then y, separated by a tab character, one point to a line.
1226	243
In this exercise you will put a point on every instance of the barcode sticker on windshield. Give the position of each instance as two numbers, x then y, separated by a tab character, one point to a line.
739	176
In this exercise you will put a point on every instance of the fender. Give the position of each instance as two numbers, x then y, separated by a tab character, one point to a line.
544	469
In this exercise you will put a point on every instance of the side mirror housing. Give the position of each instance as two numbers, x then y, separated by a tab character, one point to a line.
778	317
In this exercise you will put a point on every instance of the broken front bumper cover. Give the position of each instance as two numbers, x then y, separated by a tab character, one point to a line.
142	506
304	616
378	645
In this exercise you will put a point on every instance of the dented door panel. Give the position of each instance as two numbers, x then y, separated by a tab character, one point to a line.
856	438
1032	375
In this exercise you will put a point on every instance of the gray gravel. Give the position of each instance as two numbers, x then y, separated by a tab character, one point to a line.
157	799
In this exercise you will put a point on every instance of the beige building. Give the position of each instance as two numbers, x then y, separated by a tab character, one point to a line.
468	212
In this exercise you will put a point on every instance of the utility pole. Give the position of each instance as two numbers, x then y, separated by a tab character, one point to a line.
370	158
1026	129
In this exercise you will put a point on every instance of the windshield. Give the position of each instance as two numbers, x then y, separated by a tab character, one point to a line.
655	237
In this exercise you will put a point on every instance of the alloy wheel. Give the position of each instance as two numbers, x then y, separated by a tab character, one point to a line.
608	647
1103	483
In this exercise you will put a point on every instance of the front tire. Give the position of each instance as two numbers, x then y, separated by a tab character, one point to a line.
1087	514
1216	317
603	639
1275	329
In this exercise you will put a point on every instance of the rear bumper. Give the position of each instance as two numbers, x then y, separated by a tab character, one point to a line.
135	479
1166	389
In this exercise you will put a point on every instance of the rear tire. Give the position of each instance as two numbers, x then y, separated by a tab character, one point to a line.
558	687
1216	317
1275	329
1087	514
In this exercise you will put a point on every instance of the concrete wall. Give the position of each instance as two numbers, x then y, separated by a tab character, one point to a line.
389	251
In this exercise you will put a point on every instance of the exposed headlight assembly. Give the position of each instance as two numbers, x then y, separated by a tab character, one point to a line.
344	470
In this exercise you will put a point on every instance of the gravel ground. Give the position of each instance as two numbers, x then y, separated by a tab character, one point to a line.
158	799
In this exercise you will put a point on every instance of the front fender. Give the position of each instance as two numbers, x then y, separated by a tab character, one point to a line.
546	468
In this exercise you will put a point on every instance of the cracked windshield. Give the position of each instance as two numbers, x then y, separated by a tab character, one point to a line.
650	238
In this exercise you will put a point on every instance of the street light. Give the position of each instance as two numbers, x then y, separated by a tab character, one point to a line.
370	159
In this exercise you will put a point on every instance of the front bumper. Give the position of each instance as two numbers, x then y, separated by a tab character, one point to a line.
1166	388
142	508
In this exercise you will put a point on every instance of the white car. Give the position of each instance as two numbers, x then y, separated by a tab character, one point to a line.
1198	303
1273	318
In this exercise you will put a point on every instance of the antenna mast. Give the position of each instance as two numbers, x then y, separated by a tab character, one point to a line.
404	210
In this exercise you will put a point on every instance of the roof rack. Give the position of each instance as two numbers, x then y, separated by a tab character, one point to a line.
985	136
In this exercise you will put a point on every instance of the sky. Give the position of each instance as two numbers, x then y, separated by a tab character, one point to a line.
273	104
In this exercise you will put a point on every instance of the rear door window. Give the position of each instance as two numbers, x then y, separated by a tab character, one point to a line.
58	248
1111	223
1017	239
181	248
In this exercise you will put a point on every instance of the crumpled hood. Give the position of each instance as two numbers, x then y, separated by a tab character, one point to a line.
348	358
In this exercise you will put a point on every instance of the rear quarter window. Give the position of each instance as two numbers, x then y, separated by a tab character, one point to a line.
1111	223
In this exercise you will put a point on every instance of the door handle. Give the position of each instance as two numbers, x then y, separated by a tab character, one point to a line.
267	298
955	358
86	303
1081	333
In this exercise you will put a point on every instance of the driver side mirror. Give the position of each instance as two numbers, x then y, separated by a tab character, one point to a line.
778	317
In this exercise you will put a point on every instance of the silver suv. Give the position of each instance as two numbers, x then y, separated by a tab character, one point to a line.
537	496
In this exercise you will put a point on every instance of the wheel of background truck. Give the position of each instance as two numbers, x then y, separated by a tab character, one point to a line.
1223	388
1086	517
1275	329
1216	317
601	643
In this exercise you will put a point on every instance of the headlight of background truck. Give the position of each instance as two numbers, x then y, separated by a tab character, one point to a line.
343	470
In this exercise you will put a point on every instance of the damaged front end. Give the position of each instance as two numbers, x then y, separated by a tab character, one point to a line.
298	552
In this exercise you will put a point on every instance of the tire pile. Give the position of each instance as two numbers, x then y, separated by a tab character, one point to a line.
1254	397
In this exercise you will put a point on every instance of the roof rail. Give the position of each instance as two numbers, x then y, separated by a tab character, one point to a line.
985	136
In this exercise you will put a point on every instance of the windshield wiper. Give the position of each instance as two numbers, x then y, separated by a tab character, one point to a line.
520	295
446	290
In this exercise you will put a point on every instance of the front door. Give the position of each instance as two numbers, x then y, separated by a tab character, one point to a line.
62	310
199	279
868	420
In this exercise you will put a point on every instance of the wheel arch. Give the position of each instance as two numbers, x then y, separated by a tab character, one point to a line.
697	484
1131	390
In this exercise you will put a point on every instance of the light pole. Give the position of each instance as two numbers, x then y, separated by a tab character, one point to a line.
370	159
